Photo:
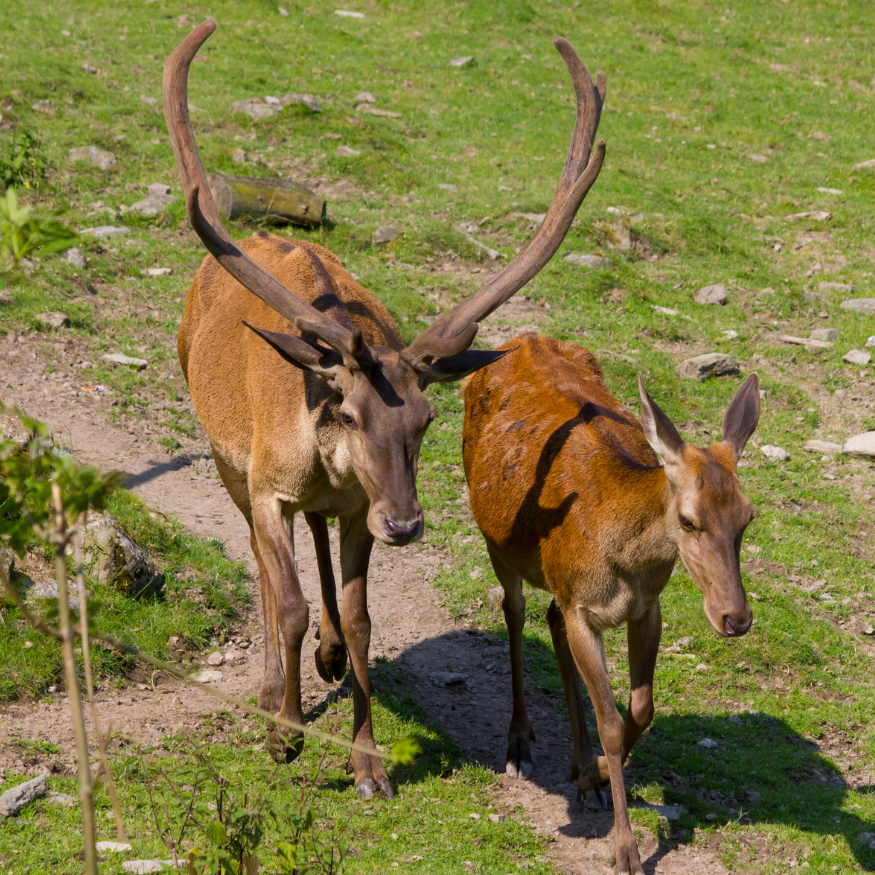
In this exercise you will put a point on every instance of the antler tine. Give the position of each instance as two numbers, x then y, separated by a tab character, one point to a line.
205	219
455	330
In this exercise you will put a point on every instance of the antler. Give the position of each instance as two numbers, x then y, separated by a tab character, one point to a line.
455	330
205	219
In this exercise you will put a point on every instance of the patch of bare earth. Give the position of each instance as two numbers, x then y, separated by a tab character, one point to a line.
409	628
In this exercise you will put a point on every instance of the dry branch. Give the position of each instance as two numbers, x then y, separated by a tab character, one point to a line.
277	200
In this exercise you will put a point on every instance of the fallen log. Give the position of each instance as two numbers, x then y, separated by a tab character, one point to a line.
276	200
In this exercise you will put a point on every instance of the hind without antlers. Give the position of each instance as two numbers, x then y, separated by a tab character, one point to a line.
313	405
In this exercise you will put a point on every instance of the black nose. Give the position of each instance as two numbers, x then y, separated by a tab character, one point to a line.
400	531
736	630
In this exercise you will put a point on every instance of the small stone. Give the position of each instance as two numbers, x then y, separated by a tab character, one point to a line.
98	157
712	364
707	743
715	294
701	667
774	454
255	107
151	205
207	677
669	812
836	287
617	234
146	867
42	106
118	358
857	357
302	99
344	13
868	629
731	334
829	334
758	159
861	445
865	165
149	101
474	816
76	257
734	719
215	658
752	797
815	296
347	152
463	61
115	847
156	271
496	818
63	799
711	816
12	801
495	596
448	679
53	320
447	186
861	305
107	231
364	97
283	11
596	262
813	215
386	234
158	189
822	447
870	341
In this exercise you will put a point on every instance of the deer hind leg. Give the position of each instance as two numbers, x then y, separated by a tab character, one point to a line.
355	621
288	609
331	652
587	648
583	752
518	759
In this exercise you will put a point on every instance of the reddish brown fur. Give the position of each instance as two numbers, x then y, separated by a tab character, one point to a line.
570	496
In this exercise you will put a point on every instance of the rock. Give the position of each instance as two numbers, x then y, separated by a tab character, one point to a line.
870	341
730	334
865	165
856	357
752	797
42	106
255	107
63	799
117	559
107	231
836	287
347	152
151	205
861	305
157	189
345	13
707	743
447	186
712	364
35	591
474	816
495	596
156	271
149	101
283	11
823	190
114	847
386	234
712	816
372	110
12	801
596	262
617	234
146	867
463	61
238	156
98	157
118	358
808	342
814	296
715	294
207	677
302	99
829	334
774	454
757	159
215	658
364	97
496	818
53	320
448	679
669	812
75	256
13	429
814	446
813	215
861	445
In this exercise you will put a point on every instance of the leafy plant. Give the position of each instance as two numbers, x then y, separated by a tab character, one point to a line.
22	234
24	164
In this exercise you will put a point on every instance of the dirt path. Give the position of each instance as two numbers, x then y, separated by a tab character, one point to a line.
408	627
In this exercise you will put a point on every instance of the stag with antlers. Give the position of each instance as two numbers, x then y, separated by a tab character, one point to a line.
313	404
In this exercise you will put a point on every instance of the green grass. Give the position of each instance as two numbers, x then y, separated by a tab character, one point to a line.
693	91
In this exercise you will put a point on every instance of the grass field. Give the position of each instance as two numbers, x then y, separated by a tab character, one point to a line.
720	124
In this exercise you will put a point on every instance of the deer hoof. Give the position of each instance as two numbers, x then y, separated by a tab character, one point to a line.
626	860
386	787
366	788
334	667
284	748
593	800
521	769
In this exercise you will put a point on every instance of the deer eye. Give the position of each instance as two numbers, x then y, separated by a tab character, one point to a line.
347	420
686	523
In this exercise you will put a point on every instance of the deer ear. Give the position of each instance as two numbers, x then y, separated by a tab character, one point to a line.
456	367
742	415
302	353
658	428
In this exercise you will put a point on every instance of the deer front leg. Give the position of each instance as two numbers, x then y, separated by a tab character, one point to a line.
273	683
273	534
587	647
355	622
331	653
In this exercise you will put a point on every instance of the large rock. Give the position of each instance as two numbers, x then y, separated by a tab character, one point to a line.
861	445
815	446
830	335
774	454
712	364
861	305
856	357
98	157
76	257
12	801
116	559
597	262
386	234
715	294
53	320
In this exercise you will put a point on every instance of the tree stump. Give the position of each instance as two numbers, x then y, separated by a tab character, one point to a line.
276	200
